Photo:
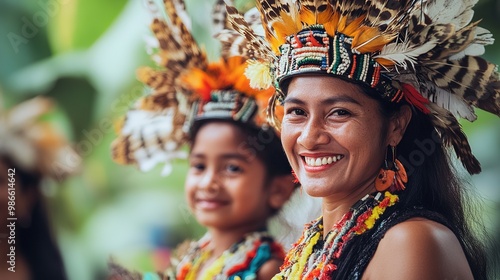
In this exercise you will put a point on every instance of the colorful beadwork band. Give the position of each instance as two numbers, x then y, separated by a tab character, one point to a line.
225	105
312	50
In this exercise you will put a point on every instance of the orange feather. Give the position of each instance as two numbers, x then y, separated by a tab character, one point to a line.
385	62
352	27
332	25
326	16
281	33
366	42
307	16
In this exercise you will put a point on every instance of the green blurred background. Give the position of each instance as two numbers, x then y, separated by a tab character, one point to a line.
83	53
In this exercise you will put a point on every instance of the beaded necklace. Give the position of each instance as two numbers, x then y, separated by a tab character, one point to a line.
315	257
241	261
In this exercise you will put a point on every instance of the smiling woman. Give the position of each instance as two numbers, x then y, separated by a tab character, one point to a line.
365	85
336	124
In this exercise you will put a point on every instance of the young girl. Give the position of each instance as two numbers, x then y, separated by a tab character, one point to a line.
238	176
232	190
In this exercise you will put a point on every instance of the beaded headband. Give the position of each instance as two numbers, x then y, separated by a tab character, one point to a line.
185	89
425	51
312	50
224	104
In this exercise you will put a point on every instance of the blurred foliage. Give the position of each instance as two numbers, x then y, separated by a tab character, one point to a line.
78	24
83	53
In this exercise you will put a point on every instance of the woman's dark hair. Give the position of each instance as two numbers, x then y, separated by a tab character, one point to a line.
34	239
263	142
433	184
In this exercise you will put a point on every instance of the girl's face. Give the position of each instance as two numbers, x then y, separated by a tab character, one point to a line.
226	183
334	136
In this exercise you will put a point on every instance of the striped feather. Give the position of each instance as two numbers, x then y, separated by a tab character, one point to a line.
390	16
253	43
233	44
279	18
403	54
455	42
449	101
458	13
482	38
315	6
219	15
452	135
176	11
148	138
152	131
472	78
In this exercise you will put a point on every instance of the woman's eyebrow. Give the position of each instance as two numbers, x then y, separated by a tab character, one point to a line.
294	101
328	101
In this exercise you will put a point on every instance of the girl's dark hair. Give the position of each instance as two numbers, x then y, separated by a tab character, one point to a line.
434	185
263	142
34	239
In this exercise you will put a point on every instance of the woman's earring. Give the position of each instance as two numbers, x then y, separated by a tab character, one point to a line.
391	177
401	176
385	177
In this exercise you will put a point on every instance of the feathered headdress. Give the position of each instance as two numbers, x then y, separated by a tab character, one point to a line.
185	88
425	51
34	145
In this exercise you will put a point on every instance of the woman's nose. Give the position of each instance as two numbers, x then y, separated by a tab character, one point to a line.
313	134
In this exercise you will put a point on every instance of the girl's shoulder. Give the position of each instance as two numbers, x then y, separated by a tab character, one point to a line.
419	248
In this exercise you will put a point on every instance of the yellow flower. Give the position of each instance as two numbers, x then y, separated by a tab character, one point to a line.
259	74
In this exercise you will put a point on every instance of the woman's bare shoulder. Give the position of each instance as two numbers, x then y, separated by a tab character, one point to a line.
419	249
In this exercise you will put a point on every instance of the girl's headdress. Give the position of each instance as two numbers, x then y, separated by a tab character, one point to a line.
35	145
185	87
424	51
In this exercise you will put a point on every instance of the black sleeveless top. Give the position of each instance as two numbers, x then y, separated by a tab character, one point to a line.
360	250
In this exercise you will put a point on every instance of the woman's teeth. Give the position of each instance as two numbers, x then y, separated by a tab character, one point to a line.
321	160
